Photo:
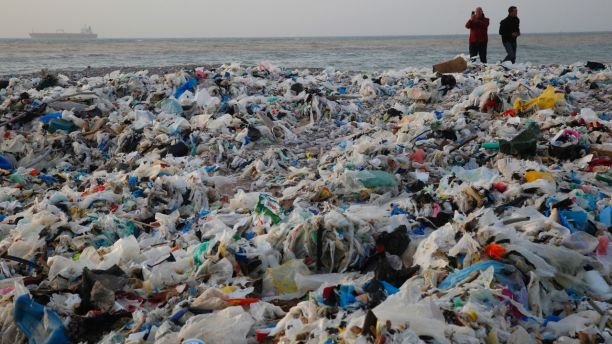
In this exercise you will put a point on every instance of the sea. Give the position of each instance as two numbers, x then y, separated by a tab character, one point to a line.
341	53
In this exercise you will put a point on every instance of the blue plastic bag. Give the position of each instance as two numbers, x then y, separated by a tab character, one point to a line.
30	318
346	296
605	216
189	85
454	278
573	220
171	106
50	116
6	164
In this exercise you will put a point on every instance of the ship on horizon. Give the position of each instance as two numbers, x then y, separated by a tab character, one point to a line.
85	34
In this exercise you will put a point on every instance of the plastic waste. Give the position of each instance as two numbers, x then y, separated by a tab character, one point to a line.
61	124
39	324
230	325
238	203
7	163
523	144
546	100
458	276
373	179
189	85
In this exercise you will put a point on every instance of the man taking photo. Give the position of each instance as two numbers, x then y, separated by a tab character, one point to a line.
478	25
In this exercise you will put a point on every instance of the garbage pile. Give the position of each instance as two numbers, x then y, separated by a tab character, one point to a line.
259	204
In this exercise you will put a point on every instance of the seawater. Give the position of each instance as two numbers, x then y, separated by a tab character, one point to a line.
343	53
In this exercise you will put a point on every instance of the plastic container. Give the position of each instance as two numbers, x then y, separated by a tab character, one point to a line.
50	116
61	124
490	145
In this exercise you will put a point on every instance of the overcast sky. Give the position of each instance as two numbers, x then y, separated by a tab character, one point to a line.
272	18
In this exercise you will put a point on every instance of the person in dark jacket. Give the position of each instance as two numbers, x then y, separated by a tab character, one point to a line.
478	25
509	31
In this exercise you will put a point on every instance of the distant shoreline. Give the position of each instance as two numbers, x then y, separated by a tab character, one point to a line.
324	37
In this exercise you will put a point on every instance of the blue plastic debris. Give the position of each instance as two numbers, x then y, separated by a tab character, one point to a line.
50	116
346	295
40	324
452	279
6	164
189	85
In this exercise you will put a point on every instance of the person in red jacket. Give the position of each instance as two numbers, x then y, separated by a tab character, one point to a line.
478	25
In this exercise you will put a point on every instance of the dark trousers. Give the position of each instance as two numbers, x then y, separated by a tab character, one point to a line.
479	49
510	51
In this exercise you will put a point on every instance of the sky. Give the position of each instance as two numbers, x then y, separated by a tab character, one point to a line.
291	18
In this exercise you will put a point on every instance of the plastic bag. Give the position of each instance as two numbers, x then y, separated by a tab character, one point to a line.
546	100
372	179
230	325
524	144
457	276
267	211
39	324
283	276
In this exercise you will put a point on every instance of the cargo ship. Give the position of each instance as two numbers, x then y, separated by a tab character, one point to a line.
85	34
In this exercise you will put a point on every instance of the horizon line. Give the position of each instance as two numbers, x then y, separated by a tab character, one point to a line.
330	36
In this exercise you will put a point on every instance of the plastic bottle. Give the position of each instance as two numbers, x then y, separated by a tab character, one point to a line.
490	145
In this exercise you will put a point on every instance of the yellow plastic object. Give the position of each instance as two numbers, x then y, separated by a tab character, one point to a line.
535	175
547	100
472	315
283	276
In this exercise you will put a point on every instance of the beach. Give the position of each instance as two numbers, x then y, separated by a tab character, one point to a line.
258	202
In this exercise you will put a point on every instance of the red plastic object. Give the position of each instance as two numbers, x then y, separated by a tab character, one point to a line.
490	104
34	173
200	74
100	188
598	161
260	336
435	210
7	134
418	156
327	292
510	113
495	251
500	186
243	301
602	248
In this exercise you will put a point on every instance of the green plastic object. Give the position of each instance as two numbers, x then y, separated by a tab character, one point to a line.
268	210
60	124
199	253
490	145
523	144
604	177
376	179
17	178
